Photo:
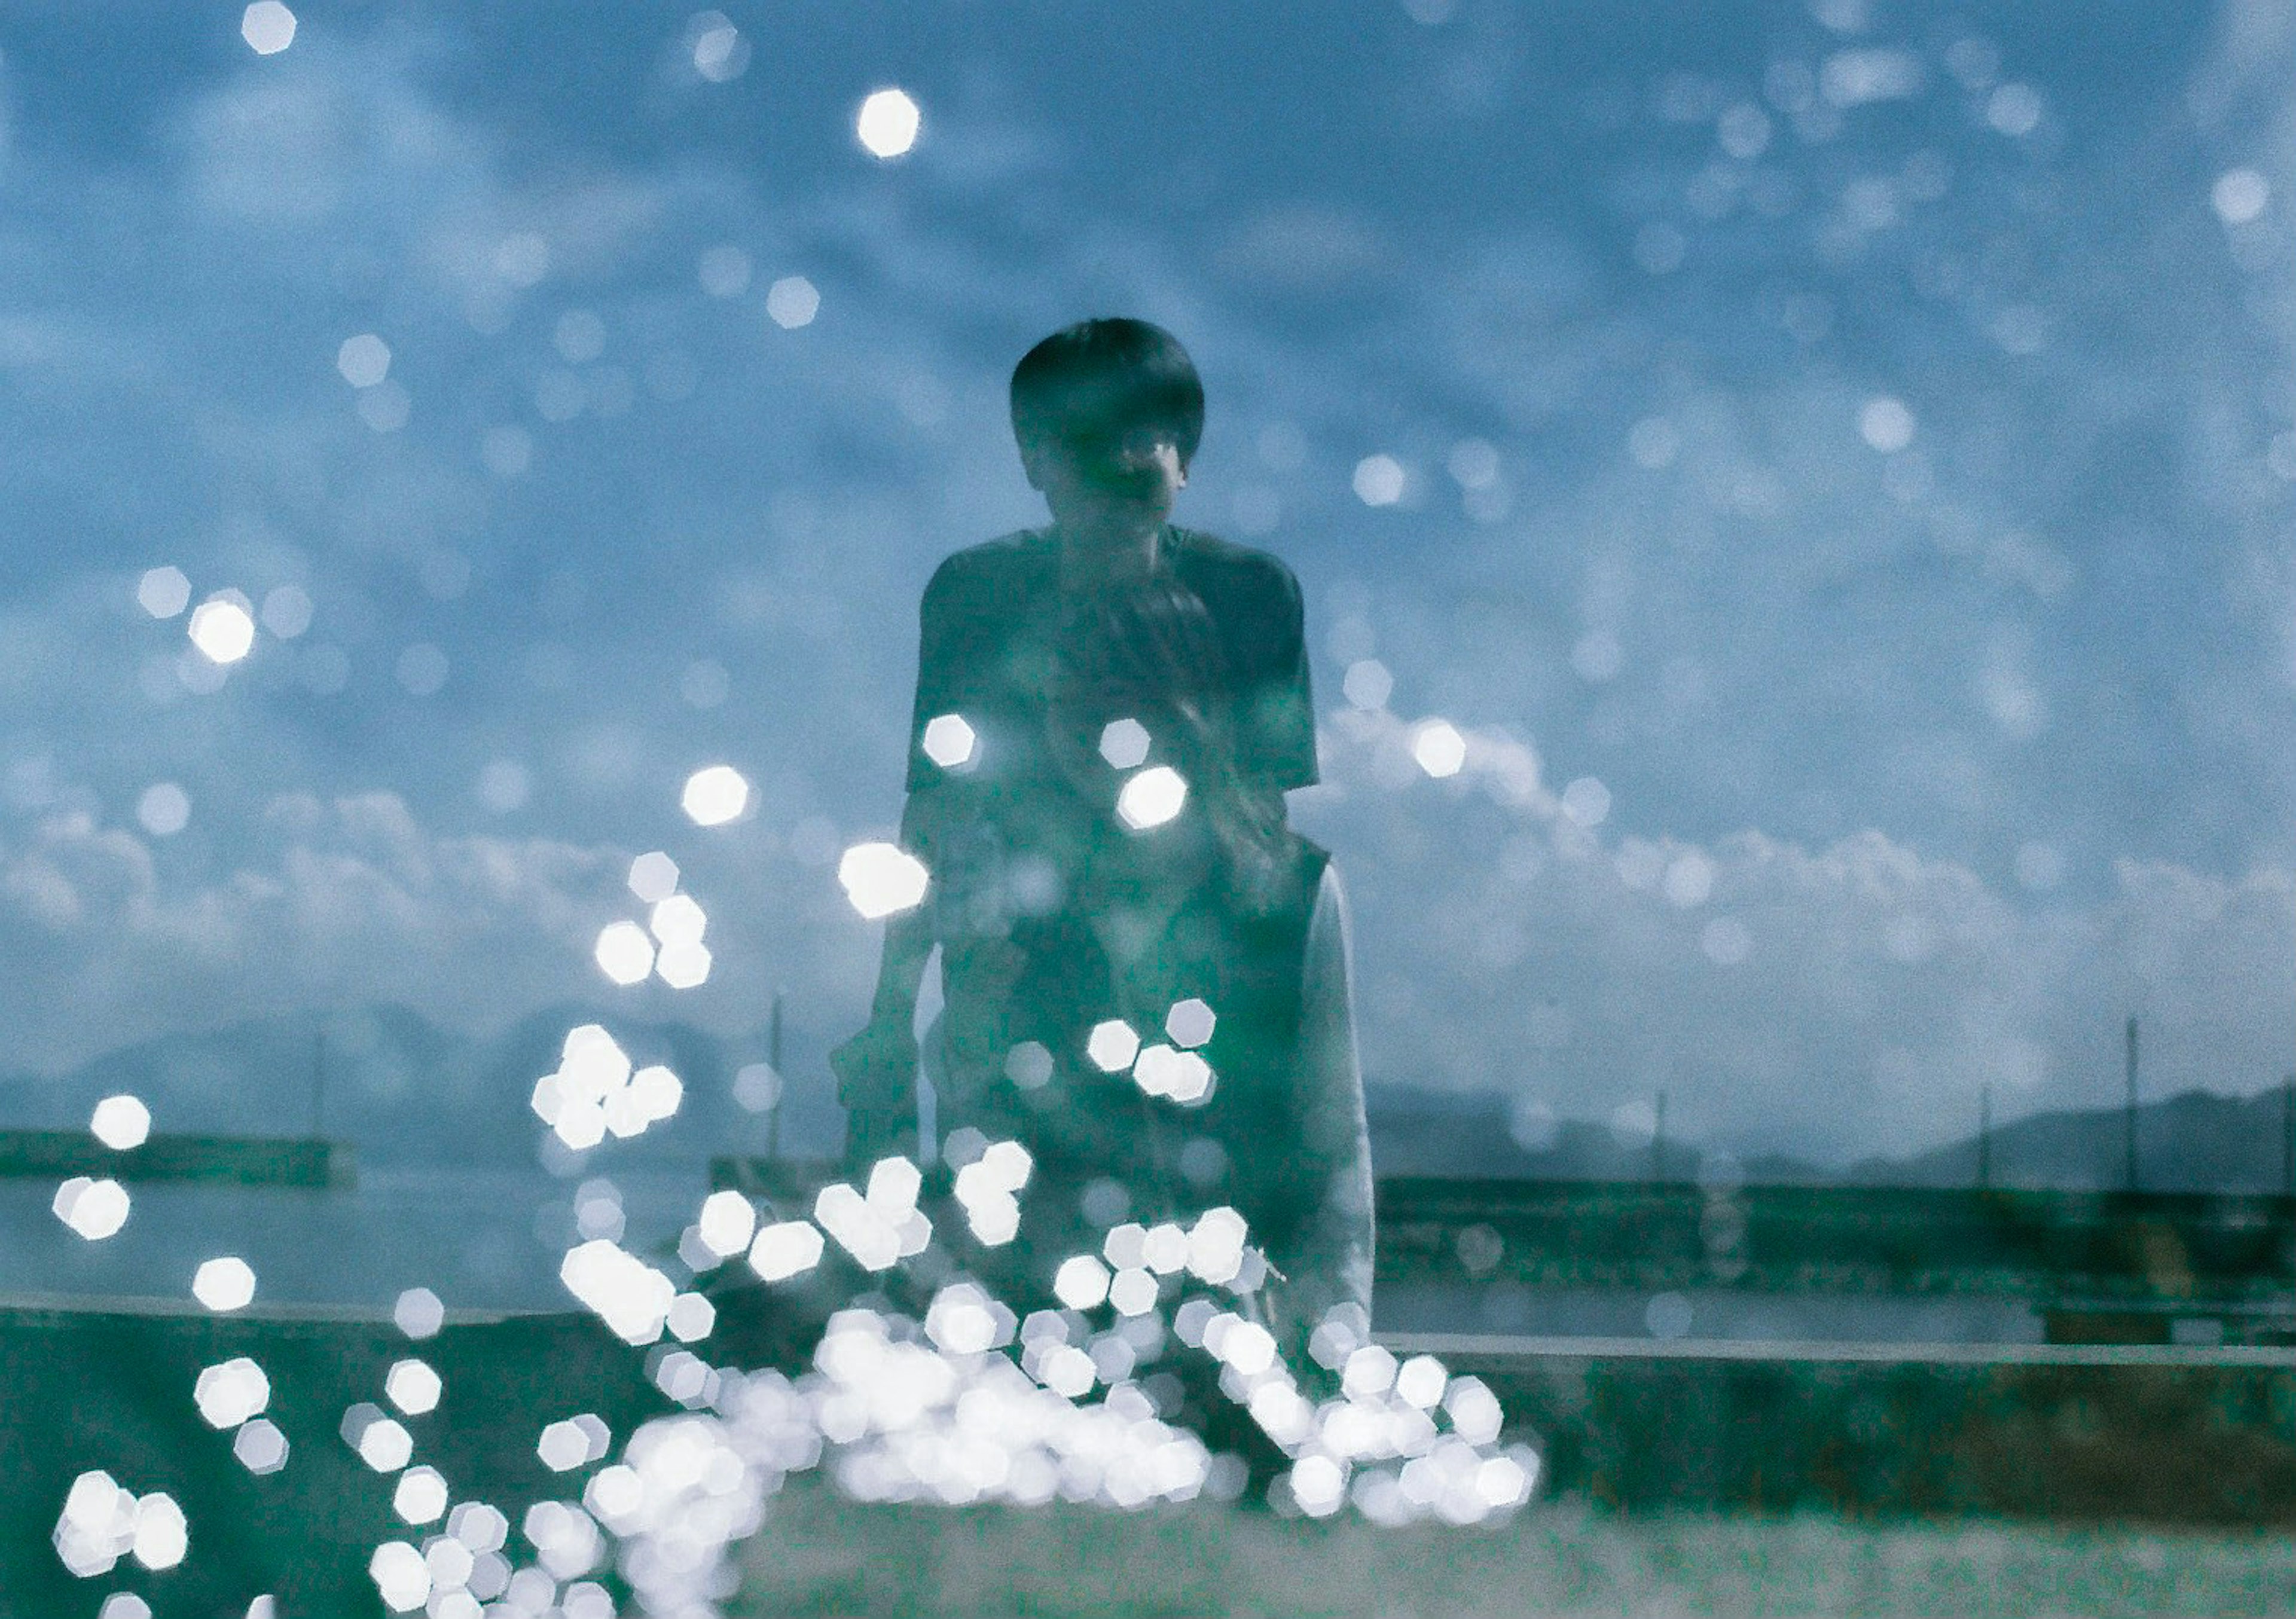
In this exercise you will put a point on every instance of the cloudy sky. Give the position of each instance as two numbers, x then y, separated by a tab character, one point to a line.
1834	465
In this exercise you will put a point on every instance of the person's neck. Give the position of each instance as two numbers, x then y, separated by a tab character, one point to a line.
1092	559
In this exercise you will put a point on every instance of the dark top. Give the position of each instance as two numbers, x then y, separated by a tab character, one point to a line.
992	622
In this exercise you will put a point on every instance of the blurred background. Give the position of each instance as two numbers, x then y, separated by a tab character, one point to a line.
1793	503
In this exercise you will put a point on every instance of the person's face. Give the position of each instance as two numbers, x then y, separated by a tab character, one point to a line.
1116	491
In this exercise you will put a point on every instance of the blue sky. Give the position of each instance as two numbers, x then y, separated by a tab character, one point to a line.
1857	436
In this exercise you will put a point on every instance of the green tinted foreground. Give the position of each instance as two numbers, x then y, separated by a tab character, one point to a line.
820	1556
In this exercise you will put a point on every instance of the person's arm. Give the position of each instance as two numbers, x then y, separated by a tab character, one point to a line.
1325	1254
877	1069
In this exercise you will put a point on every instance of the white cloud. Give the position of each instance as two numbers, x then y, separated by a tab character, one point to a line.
1502	947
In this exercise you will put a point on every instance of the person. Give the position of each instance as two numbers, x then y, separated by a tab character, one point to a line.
1144	967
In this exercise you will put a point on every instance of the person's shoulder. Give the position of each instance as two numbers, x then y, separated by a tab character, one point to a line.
1234	565
988	568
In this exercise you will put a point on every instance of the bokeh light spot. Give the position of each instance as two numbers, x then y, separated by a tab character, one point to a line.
163	592
94	1209
418	1313
1152	798
888	123
1440	749
164	809
412	1386
793	302
223	629
120	1122
1123	743
224	1284
1379	480
363	360
882	878
715	795
653	877
624	953
1113	1045
267	27
949	740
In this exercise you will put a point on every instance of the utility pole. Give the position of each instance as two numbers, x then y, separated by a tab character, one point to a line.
1657	1140
781	1085
2128	1115
1985	1136
319	1083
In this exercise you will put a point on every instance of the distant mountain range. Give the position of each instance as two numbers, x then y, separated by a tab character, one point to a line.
2195	1141
406	1093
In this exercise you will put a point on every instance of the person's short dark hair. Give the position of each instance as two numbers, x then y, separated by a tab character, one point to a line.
1088	386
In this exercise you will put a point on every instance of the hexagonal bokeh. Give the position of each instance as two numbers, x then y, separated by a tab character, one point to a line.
224	1284
231	1392
1123	743
260	1446
949	740
418	1313
120	1122
1113	1045
412	1386
1151	798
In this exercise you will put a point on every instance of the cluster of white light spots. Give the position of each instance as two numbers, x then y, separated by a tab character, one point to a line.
882	880
224	1284
949	740
94	1209
120	1122
594	1092
715	795
1152	798
1175	1075
676	923
629	1294
916	1421
888	123
222	627
793	302
574	1441
1439	747
267	27
163	592
688	1487
103	1522
989	1178
231	1392
381	1441
1379	480
881	1225
1123	743
1170	1072
413	1386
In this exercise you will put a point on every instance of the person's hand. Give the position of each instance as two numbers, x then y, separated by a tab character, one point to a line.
877	1082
